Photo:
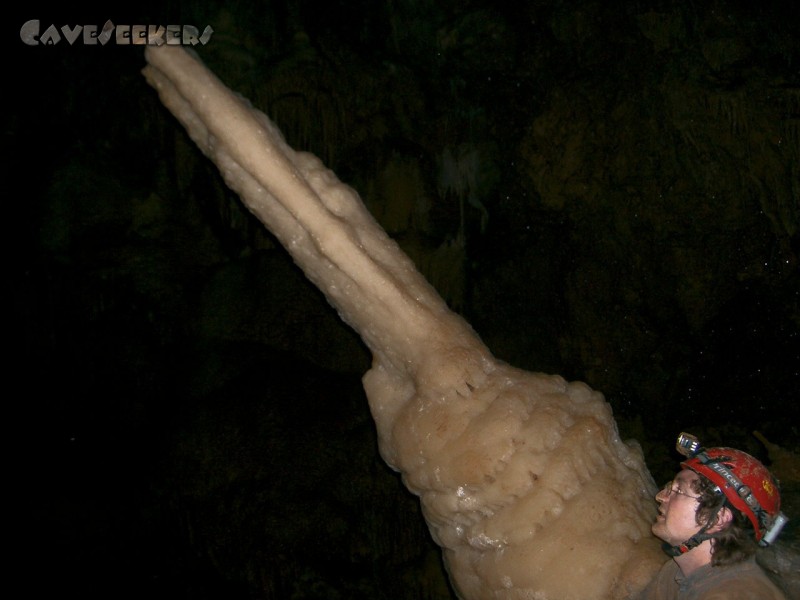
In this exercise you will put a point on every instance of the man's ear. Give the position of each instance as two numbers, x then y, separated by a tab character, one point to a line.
722	520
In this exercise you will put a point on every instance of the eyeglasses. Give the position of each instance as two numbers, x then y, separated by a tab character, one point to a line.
672	488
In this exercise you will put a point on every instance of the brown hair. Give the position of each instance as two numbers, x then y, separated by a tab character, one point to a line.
736	542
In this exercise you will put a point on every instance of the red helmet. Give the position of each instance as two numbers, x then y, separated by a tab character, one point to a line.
746	483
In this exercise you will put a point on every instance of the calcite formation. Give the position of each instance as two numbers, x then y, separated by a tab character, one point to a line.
523	478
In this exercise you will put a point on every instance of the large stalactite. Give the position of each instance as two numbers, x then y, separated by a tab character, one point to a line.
523	478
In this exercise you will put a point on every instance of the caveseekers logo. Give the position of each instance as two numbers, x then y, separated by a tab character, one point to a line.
123	35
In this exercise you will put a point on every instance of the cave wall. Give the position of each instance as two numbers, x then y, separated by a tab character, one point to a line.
609	194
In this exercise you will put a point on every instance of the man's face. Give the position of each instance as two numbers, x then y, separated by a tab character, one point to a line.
676	521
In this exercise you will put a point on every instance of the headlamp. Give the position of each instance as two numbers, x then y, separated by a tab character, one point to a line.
687	444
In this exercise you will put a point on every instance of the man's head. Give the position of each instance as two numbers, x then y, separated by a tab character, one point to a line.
721	494
745	483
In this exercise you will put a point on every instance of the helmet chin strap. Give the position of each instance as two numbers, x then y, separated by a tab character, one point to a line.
694	541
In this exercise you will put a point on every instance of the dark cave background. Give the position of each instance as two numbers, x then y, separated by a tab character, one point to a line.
606	192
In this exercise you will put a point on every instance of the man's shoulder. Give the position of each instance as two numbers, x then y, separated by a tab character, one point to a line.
742	581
